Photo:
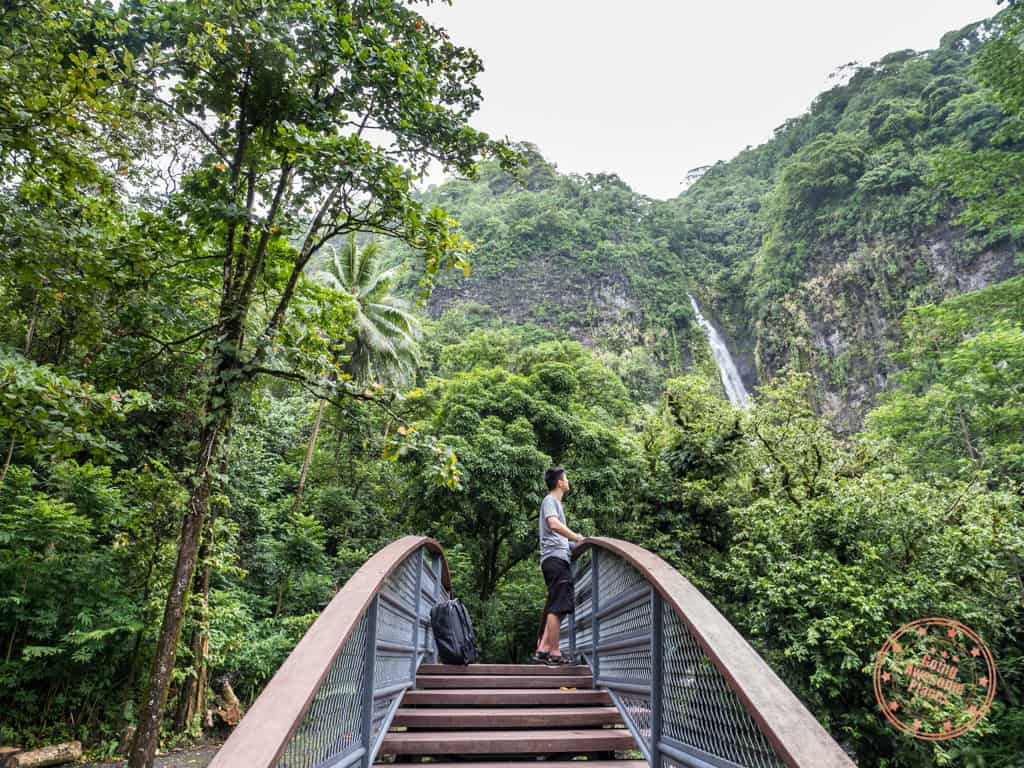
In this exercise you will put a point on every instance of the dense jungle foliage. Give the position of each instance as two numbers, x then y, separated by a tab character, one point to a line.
216	391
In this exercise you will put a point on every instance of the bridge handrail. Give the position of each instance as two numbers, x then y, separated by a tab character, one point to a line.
332	700
690	688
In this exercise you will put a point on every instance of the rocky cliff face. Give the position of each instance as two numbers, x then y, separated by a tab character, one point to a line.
577	255
551	292
844	323
841	322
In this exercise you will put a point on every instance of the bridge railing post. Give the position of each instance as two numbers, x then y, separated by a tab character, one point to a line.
369	684
595	607
657	676
572	634
437	599
417	604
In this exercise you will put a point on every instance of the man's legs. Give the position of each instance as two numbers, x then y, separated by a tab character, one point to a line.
542	634
550	638
552	634
559	601
542	628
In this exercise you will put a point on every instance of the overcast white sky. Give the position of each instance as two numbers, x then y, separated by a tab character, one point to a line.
648	89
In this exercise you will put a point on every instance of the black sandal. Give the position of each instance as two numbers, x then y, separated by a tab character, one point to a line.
560	661
541	657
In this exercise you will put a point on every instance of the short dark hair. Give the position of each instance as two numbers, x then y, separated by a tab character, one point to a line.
552	476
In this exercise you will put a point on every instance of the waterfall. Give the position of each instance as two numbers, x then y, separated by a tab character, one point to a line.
731	380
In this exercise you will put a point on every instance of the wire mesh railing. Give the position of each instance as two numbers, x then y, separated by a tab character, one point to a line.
690	689
333	700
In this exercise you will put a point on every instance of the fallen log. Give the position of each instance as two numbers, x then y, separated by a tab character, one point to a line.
58	754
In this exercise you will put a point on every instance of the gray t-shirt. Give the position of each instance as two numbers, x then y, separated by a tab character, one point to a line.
552	544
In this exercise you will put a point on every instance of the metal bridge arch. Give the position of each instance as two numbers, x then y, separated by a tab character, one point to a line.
688	686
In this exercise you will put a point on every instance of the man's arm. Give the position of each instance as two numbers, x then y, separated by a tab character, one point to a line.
558	526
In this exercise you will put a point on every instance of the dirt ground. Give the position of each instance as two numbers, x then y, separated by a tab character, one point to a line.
187	757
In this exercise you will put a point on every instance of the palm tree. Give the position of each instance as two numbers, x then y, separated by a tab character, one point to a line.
384	349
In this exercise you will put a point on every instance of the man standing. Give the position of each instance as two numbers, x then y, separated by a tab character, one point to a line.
554	564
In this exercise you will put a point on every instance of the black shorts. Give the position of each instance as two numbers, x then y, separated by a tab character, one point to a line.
558	577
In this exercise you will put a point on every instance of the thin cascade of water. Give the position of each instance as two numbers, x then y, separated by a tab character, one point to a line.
731	380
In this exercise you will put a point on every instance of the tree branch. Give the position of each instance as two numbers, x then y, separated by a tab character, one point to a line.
966	432
786	477
256	264
198	128
165	346
228	277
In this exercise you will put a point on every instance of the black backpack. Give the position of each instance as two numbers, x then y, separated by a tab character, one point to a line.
453	632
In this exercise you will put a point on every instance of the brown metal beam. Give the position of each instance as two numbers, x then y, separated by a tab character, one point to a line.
502	669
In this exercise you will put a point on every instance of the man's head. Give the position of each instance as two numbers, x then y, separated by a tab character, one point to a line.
556	478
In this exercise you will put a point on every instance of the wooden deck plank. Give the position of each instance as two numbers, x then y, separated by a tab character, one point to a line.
507	717
506	742
502	669
504	681
505	697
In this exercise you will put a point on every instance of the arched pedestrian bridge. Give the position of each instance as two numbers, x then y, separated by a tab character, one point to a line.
667	681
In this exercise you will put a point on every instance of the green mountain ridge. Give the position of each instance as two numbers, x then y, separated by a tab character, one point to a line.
806	250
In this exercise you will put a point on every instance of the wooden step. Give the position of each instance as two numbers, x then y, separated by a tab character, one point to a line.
504	681
502	669
507	697
506	742
544	764
507	717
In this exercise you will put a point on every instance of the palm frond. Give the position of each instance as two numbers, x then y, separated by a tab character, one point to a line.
379	284
385	346
397	316
351	263
369	265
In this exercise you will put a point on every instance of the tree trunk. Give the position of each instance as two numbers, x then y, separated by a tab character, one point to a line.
147	735
7	461
192	698
310	450
130	693
10	642
282	587
58	754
